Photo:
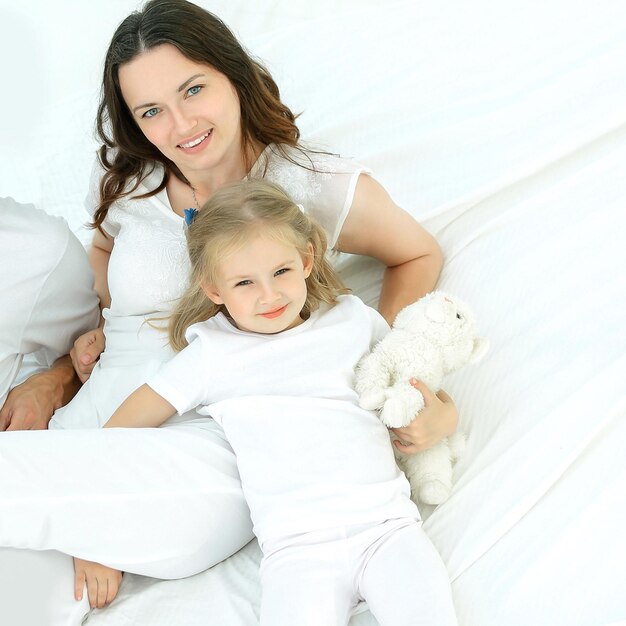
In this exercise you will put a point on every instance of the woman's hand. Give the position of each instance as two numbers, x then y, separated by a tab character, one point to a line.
102	582
438	419
86	352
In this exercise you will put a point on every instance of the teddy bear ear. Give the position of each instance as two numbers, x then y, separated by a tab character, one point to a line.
435	310
481	346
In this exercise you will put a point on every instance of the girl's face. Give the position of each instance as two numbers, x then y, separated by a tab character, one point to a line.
188	110
262	285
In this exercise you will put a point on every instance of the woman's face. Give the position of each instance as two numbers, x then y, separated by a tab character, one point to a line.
188	110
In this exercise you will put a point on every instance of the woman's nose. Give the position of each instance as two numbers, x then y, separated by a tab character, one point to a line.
183	122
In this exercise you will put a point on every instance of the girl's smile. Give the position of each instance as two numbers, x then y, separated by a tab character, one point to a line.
275	313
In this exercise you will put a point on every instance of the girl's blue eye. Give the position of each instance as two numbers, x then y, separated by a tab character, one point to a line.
243	283
150	112
192	91
281	271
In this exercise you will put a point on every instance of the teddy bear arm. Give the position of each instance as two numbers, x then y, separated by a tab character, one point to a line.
403	403
371	382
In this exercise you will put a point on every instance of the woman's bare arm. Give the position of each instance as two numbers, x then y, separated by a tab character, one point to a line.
379	228
99	255
88	347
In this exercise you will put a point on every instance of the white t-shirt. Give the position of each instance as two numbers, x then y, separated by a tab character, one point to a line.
309	457
46	290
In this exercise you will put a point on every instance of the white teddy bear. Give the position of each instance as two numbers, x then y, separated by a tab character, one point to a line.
428	339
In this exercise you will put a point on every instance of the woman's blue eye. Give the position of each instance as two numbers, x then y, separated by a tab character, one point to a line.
192	91
150	112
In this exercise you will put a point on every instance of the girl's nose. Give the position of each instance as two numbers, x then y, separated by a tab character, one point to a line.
268	294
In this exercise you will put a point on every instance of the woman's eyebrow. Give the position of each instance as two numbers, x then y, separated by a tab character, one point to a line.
144	106
189	80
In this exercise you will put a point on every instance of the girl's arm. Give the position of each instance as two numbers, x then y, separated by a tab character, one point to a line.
144	408
379	228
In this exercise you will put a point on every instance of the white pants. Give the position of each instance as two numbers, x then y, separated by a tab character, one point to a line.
163	502
318	578
37	589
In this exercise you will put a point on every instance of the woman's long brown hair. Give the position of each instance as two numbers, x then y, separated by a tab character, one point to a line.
126	154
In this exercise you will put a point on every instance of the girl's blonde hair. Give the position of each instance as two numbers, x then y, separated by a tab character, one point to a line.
232	217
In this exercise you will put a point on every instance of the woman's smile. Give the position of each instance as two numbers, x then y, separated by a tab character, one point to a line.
196	143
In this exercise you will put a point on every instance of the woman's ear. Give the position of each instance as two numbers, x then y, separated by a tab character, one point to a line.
308	259
211	292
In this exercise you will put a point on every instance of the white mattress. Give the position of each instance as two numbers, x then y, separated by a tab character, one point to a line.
502	127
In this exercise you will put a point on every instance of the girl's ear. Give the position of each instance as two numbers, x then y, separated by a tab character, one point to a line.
308	260
211	292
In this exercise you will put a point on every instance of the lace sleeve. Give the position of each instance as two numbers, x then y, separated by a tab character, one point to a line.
324	185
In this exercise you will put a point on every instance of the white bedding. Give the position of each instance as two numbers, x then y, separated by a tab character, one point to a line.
502	127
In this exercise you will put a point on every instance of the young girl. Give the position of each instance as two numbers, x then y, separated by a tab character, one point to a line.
267	348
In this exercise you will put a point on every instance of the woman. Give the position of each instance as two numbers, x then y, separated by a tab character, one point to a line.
184	111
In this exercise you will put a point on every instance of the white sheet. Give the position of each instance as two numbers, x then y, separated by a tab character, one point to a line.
503	128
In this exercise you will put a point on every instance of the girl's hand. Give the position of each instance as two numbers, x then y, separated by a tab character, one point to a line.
86	352
438	419
102	582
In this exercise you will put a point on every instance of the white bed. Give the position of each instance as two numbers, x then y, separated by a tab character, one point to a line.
502	128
